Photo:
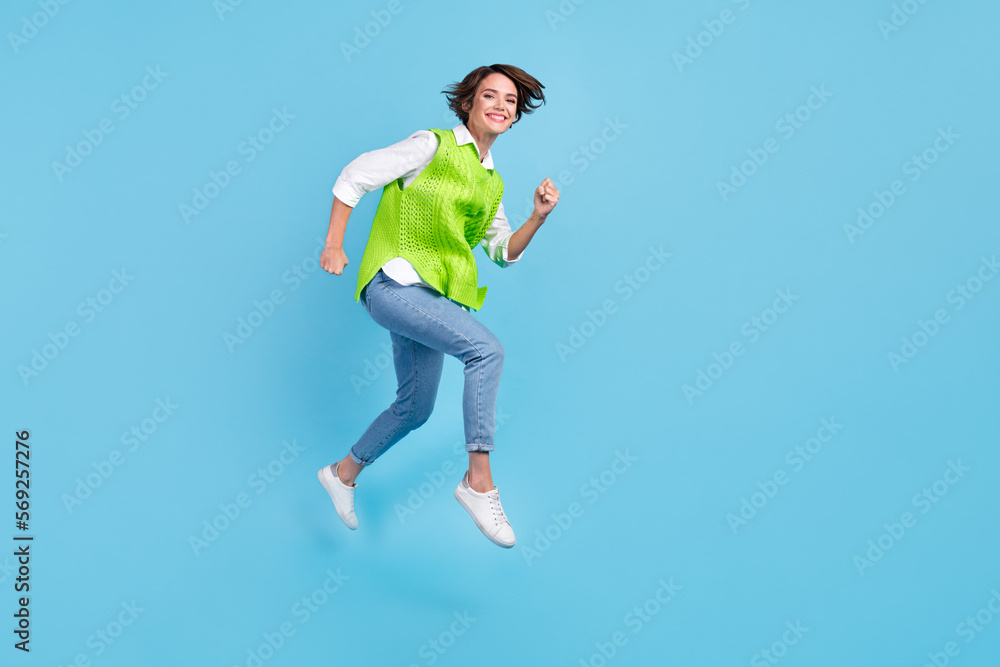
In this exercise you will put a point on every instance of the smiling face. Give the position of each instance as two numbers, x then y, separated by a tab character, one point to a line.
494	105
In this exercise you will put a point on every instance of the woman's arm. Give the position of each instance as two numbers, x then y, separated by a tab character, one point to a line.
333	259
367	172
496	238
519	240
546	198
377	168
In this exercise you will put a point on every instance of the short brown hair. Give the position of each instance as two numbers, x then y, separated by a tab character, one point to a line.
528	88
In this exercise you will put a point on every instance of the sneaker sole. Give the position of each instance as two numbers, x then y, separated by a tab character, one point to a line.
492	539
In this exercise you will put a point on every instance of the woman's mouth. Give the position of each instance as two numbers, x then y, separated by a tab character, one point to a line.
496	117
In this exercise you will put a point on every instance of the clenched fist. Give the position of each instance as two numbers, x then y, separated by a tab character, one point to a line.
333	260
546	197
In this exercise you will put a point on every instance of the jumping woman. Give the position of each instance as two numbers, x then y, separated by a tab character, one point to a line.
441	197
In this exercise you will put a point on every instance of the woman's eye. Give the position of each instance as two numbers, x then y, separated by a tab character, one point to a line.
509	100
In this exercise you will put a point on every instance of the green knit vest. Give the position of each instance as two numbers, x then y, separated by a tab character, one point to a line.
436	221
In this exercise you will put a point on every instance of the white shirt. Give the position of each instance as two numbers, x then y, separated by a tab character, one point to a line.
406	159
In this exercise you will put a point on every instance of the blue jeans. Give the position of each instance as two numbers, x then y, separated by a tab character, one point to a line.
424	325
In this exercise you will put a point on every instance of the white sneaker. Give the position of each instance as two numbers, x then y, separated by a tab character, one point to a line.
341	494
486	511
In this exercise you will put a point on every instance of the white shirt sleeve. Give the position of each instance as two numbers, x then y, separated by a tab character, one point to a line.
375	169
497	236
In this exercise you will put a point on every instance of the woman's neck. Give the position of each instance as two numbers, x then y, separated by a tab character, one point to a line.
483	140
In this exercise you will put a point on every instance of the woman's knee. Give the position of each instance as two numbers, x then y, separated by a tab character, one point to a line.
420	417
421	409
494	350
414	413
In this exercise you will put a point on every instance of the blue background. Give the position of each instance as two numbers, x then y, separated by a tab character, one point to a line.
559	599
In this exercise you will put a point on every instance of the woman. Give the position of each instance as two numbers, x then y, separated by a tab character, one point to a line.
441	197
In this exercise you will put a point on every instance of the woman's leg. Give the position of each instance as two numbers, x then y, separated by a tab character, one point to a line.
418	374
433	321
480	476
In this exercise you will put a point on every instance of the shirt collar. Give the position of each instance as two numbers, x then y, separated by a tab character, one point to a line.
463	136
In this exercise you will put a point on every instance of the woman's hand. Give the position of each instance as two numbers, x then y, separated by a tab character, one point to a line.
546	198
333	259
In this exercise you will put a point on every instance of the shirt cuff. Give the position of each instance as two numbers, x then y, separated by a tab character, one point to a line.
344	192
505	261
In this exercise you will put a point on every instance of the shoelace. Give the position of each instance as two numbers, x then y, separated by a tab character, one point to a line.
497	507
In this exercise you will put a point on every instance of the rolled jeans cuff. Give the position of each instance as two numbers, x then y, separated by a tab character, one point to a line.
357	460
478	447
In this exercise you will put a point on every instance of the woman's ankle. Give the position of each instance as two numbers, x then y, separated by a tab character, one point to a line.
480	475
348	470
480	483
